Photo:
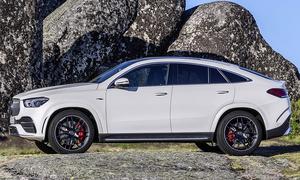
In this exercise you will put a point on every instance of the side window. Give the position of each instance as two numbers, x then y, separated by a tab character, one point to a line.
215	77
191	74
234	78
150	75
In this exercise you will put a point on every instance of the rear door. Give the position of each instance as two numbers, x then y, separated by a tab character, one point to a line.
199	92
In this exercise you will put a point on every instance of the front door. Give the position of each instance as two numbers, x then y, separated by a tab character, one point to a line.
144	106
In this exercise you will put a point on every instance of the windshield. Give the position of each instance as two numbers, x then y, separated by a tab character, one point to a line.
107	74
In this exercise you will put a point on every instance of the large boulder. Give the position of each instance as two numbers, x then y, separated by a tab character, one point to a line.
227	31
20	29
153	29
80	36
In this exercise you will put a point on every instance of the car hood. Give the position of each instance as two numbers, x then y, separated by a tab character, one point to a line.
48	91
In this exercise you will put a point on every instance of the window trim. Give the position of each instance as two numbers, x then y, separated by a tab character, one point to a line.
220	72
111	84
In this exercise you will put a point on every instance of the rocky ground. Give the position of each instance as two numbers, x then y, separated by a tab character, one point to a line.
133	163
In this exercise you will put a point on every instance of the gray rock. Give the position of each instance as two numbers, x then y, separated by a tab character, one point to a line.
153	29
143	164
225	30
20	38
81	35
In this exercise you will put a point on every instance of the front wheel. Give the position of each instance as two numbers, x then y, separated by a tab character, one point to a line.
71	131
239	133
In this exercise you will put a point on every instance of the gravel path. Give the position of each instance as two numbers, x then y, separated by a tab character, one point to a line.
143	165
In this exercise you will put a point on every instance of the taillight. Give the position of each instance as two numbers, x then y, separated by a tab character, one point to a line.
281	93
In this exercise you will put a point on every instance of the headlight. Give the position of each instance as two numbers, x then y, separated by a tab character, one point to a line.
35	102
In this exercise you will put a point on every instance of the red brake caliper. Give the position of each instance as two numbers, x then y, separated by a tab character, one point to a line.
230	136
81	133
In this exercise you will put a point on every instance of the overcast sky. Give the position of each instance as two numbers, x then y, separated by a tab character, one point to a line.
279	23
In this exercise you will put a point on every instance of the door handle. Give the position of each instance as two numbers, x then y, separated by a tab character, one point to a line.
161	94
222	92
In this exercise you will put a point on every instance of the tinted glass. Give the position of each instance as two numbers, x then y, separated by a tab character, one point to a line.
234	78
107	74
152	75
215	76
191	74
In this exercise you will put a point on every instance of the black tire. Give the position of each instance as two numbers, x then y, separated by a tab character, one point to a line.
55	129
45	148
253	133
208	146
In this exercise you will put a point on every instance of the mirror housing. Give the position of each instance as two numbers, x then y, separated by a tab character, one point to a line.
121	83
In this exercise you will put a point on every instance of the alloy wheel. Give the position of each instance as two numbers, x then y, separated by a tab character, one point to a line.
241	133
72	133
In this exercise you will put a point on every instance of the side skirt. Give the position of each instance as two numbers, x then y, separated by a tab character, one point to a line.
156	137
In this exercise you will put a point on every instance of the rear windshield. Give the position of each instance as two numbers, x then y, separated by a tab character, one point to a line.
256	73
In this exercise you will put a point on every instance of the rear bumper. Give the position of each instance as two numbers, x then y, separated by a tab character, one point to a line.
282	130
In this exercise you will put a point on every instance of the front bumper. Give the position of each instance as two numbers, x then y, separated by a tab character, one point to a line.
282	130
24	128
18	131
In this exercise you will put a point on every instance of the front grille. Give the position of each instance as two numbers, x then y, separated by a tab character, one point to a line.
14	108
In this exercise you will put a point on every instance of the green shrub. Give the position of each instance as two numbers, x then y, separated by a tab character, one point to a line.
295	118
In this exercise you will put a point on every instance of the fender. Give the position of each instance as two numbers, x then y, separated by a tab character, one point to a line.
234	106
59	106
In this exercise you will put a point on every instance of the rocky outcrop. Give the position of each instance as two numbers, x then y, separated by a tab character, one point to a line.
21	25
153	29
224	29
20	47
141	163
53	42
77	45
80	35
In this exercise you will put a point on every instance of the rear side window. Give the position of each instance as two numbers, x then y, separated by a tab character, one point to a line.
215	77
234	78
191	74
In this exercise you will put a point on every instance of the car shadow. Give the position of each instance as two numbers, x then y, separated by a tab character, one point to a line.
269	151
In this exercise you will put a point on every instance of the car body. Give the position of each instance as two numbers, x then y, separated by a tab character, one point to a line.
183	99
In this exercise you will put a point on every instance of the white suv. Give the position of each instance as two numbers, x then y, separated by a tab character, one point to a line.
155	100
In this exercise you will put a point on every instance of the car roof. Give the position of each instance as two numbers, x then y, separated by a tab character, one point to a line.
180	59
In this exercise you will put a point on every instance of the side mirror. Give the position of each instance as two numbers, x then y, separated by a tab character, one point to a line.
122	82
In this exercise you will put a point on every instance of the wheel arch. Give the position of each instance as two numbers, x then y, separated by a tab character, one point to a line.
81	109
251	110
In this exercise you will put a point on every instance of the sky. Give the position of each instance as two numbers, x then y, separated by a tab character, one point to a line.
278	21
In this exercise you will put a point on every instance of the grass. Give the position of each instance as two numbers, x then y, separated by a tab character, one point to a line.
291	140
19	147
294	157
236	164
294	169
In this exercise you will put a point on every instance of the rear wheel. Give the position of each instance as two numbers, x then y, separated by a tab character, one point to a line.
44	147
208	146
239	133
71	131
